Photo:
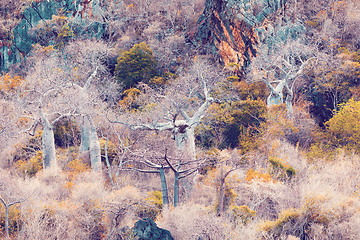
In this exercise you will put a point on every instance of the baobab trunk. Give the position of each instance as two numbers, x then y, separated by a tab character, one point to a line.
176	188
164	190
85	135
191	142
95	150
48	144
6	221
90	143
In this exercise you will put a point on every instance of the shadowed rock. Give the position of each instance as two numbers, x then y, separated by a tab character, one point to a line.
146	229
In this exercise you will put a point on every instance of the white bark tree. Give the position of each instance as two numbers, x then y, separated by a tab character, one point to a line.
279	63
44	102
169	109
154	163
190	94
87	93
59	86
89	138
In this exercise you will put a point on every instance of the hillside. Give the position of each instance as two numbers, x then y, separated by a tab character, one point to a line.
198	119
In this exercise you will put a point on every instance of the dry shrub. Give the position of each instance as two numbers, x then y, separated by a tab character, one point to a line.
56	213
297	131
192	221
288	153
329	204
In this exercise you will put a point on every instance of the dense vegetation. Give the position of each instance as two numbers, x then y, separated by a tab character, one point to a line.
115	114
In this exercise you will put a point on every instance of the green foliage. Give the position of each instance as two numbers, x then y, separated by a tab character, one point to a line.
55	30
344	127
136	65
235	124
334	83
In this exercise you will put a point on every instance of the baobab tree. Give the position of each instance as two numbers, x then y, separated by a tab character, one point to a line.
43	102
179	106
281	60
64	83
89	85
158	161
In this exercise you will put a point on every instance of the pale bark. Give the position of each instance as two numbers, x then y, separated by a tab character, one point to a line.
164	190
89	139
95	150
85	135
276	95
176	188
285	85
48	143
107	162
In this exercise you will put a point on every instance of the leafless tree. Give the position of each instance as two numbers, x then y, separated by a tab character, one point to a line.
191	93
279	63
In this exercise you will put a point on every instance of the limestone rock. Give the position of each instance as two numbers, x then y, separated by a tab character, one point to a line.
231	29
146	229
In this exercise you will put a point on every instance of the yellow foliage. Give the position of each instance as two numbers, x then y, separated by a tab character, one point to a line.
15	218
159	81
23	121
32	166
152	206
44	50
9	83
77	166
252	175
243	213
155	198
130	97
284	217
344	127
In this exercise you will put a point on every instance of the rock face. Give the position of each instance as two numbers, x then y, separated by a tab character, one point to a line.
231	29
146	229
81	12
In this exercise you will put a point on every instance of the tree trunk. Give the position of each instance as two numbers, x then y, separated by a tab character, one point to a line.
176	189
6	221
221	192
180	140
191	142
48	142
95	150
85	135
164	190
108	163
289	107
276	96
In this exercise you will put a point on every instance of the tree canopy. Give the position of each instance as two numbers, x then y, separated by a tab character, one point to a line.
136	65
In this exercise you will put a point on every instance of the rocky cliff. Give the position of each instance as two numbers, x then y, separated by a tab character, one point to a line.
231	29
228	29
